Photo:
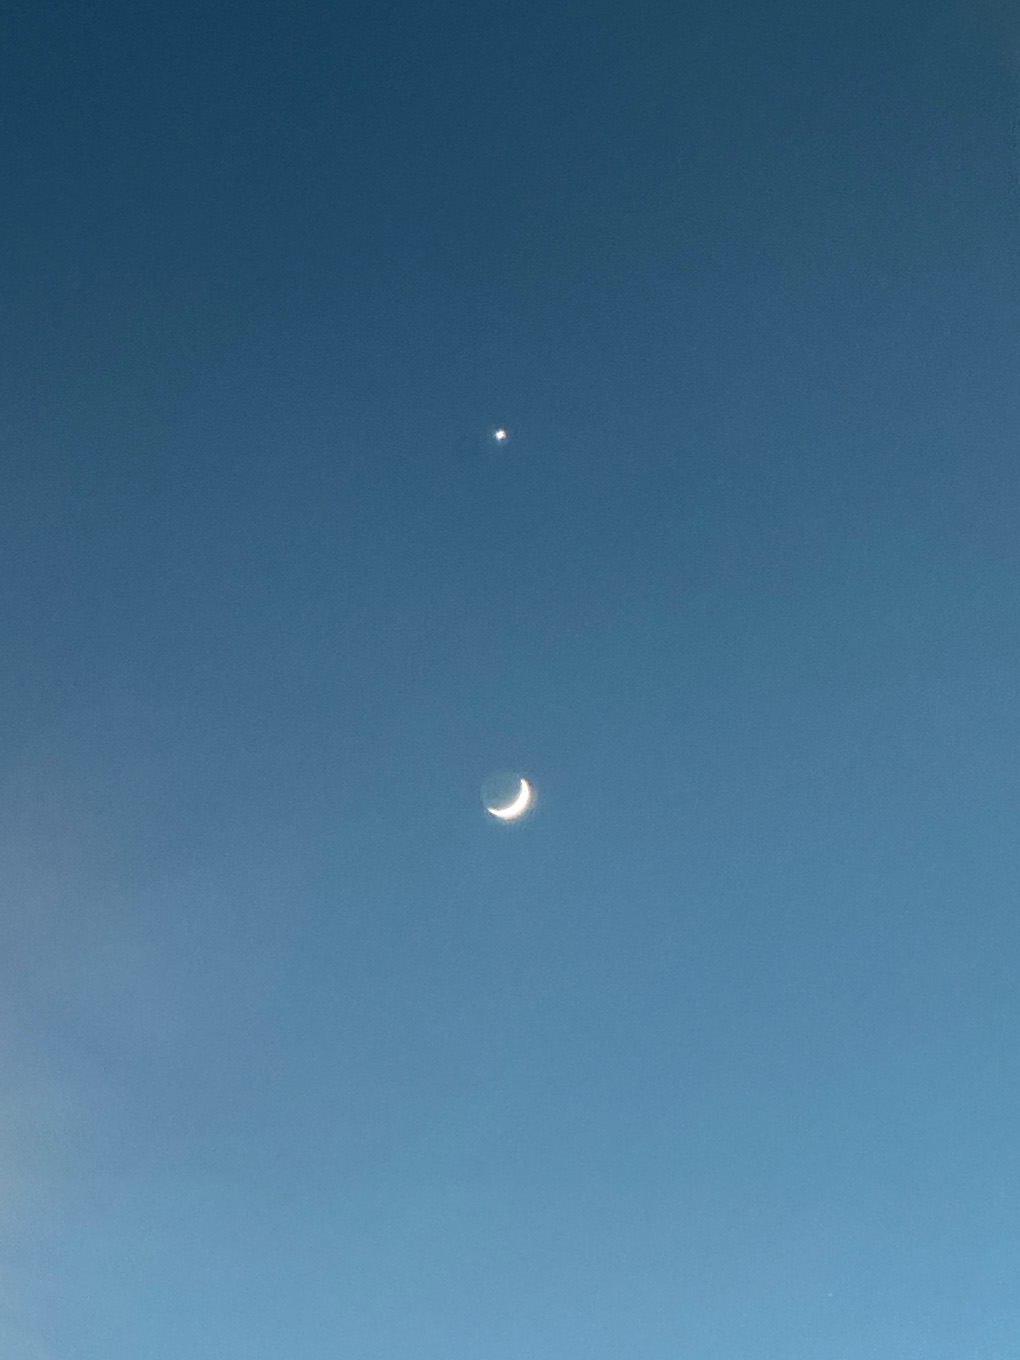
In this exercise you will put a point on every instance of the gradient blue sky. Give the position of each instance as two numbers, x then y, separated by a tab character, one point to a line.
716	1058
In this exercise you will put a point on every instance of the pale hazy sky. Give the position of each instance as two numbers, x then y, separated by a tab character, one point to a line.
716	1057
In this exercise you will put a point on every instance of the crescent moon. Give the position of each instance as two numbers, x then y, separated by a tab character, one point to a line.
517	807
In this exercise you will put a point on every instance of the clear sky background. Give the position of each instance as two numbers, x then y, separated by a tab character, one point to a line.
716	1056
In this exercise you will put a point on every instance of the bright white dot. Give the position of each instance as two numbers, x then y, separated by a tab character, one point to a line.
500	435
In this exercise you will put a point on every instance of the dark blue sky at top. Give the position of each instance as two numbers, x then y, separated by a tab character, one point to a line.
716	1055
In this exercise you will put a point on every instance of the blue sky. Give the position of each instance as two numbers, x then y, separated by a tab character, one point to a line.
715	1056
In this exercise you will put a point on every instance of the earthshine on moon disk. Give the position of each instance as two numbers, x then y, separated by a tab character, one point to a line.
515	809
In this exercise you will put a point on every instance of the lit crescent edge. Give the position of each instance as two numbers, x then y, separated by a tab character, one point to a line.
515	808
